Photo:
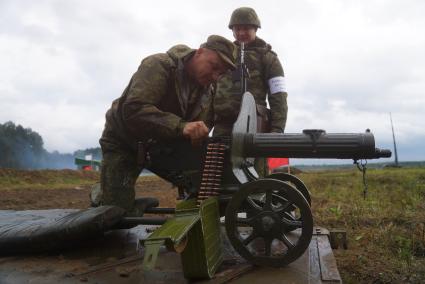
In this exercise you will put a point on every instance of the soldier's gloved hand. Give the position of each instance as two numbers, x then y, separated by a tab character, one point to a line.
196	131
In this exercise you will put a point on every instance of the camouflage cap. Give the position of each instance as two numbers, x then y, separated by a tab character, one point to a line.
225	49
244	16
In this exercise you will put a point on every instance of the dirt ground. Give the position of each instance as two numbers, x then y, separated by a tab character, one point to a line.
78	196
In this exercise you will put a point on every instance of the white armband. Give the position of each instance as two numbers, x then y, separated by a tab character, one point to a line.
277	85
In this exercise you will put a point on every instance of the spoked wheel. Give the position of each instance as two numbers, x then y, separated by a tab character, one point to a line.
278	228
294	181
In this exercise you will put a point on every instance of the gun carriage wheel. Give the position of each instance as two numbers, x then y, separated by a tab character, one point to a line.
278	228
294	181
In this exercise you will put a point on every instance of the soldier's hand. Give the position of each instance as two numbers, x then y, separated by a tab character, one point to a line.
196	131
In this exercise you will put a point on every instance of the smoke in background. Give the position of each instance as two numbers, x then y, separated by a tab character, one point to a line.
22	148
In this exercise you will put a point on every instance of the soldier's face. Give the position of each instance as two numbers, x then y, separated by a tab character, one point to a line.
244	33
208	66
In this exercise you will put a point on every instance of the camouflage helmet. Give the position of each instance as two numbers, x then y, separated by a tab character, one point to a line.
244	16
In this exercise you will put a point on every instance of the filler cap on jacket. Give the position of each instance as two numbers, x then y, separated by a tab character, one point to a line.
225	49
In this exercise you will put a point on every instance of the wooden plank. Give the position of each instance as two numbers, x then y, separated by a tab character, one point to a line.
114	259
227	275
328	268
109	265
313	264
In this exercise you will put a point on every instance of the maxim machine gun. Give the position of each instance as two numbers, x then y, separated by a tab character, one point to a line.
268	221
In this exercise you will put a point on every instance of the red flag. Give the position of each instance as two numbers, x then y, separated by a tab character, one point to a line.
277	162
87	168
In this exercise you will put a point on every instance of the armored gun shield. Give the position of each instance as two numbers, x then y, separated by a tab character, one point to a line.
246	123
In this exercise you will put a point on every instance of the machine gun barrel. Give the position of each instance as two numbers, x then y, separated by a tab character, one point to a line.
313	143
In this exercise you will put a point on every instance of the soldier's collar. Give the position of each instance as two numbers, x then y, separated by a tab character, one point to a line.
187	57
181	67
257	42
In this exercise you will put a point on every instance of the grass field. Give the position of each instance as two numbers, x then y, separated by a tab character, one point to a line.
11	179
386	231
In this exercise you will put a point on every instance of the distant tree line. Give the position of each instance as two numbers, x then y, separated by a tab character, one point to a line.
22	148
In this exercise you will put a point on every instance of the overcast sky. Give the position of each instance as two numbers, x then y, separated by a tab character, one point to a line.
348	64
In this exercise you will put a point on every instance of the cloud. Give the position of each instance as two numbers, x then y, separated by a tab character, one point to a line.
348	63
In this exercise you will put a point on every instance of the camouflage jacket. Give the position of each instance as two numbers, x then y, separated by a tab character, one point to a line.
158	101
263	65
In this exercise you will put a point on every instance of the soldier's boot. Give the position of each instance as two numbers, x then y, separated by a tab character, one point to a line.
141	204
95	195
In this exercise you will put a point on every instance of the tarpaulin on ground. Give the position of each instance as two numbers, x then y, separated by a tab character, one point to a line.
46	230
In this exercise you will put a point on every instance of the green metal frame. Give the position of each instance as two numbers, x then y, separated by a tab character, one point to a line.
200	228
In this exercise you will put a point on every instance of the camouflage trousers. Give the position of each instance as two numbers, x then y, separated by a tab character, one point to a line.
118	177
178	163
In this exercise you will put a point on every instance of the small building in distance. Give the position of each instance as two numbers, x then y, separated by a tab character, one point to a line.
87	164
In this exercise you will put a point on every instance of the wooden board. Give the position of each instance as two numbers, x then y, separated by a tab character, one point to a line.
116	259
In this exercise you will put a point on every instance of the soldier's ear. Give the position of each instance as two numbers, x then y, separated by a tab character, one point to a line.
200	51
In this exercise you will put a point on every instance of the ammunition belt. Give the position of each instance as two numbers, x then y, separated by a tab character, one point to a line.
212	172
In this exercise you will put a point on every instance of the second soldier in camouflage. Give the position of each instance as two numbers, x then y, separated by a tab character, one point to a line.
266	82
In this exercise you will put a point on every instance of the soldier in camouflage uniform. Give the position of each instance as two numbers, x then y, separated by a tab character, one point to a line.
164	111
266	81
